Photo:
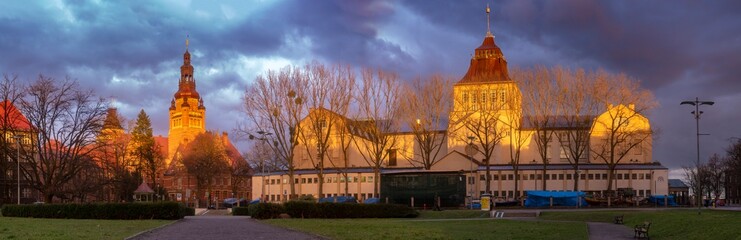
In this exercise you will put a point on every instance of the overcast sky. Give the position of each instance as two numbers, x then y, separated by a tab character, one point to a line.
132	50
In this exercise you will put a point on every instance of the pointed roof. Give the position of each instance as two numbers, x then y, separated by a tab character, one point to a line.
488	63
187	84
143	188
12	116
111	120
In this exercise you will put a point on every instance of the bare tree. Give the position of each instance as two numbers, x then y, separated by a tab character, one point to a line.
378	103
274	103
477	118
716	168
328	96
733	166
11	121
576	108
239	169
113	156
425	108
205	158
67	119
539	104
698	179
516	135
621	130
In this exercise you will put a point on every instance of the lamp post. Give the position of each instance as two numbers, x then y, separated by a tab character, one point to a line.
18	164
697	114
470	151
263	137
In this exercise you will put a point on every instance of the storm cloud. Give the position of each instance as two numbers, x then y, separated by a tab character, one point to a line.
131	51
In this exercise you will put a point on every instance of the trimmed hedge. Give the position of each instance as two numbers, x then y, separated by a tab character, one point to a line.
265	210
240	211
302	209
161	210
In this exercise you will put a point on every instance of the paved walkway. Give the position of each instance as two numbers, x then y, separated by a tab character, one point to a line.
608	231
215	225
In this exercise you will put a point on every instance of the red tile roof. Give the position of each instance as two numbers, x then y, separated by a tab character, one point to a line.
11	115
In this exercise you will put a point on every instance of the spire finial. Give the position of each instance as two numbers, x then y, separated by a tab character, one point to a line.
186	41
488	28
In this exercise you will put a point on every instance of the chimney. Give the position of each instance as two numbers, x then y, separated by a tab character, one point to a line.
225	138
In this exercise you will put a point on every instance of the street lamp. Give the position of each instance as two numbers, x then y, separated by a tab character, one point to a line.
263	137
18	164
697	114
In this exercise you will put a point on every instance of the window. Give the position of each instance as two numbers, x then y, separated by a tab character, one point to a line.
510	177
370	179
493	97
322	124
597	176
316	180
303	180
619	176
634	176
495	177
465	97
604	176
560	176
392	157
583	176
502	94
568	176
590	176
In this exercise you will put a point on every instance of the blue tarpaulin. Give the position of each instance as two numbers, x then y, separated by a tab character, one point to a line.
543	198
659	200
372	201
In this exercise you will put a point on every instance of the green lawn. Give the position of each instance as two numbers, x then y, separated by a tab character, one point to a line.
443	227
77	229
667	224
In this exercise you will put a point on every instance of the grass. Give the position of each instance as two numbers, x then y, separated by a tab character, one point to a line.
77	229
436	225
448	214
667	224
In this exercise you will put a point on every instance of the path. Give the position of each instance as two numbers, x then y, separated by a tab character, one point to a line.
215	225
608	231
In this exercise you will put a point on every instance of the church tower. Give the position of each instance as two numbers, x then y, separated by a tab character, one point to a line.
484	98
187	113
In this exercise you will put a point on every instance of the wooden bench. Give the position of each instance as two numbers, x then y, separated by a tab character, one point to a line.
618	219
641	230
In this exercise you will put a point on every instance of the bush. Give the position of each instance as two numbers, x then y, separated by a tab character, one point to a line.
240	211
161	210
265	210
300	209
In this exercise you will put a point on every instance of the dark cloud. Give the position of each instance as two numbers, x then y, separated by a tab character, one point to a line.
132	50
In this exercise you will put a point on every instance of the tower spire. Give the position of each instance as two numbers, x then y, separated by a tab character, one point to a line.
488	28
186	41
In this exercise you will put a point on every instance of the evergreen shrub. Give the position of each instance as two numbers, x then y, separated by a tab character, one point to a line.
265	210
240	211
160	210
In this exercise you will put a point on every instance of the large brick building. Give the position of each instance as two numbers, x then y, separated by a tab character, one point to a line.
485	89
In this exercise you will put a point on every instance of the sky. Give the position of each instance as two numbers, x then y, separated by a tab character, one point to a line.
131	51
